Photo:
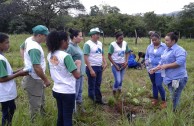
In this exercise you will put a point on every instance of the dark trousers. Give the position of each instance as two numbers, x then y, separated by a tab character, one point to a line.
65	106
8	109
94	83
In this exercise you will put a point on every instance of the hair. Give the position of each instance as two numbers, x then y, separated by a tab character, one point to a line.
173	36
118	33
155	35
73	33
3	37
141	54
54	40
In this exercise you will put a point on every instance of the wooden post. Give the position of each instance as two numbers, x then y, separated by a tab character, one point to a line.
135	37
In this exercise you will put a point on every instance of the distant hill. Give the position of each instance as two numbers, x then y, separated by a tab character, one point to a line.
174	13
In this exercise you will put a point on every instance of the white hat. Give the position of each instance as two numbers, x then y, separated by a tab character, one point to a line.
95	31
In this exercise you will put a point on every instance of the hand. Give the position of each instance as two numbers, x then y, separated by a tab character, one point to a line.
164	66
124	65
22	73
93	74
78	63
152	71
47	83
104	66
117	67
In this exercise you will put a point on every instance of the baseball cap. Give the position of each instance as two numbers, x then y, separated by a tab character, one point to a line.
95	31
40	29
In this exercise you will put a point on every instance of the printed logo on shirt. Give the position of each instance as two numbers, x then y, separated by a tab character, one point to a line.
121	53
54	60
99	51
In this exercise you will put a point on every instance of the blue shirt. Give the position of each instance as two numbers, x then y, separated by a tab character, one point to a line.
155	57
178	55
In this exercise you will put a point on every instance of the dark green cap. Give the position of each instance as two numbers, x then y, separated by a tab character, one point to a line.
40	29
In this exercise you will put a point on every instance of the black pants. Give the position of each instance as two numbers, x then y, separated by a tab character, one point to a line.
65	106
8	109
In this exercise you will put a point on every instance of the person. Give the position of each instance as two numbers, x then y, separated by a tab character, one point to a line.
150	33
141	55
34	61
96	64
63	72
132	63
173	65
152	59
8	91
118	55
77	54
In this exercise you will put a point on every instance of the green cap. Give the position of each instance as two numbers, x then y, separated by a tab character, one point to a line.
40	29
95	31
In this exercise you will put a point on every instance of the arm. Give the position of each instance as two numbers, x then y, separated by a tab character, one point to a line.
35	56
86	51
93	74
110	52
76	73
22	50
10	77
126	60
180	60
124	65
17	70
104	62
111	60
71	66
40	73
4	77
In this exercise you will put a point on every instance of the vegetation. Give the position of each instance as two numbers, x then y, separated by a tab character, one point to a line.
131	108
19	16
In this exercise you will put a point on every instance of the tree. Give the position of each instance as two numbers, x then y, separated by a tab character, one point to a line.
47	10
150	19
94	10
186	20
9	10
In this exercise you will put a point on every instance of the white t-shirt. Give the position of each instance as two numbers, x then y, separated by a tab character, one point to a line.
95	54
7	89
118	55
64	81
30	44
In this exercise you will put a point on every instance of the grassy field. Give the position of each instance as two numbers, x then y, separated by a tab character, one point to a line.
133	108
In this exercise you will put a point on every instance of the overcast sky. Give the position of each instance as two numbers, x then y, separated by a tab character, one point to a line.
140	6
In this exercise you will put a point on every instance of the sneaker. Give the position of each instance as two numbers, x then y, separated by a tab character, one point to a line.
154	102
163	105
101	102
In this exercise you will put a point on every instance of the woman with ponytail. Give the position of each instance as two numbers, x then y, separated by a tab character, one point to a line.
77	54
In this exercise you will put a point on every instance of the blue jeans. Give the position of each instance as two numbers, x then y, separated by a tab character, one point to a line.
94	83
118	77
79	87
175	94
8	109
157	80
65	106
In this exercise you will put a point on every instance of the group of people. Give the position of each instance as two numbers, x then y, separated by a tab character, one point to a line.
166	63
68	63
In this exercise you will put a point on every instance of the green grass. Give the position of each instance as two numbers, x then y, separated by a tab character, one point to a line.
136	85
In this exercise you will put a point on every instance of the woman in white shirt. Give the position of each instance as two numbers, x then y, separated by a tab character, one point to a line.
64	73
